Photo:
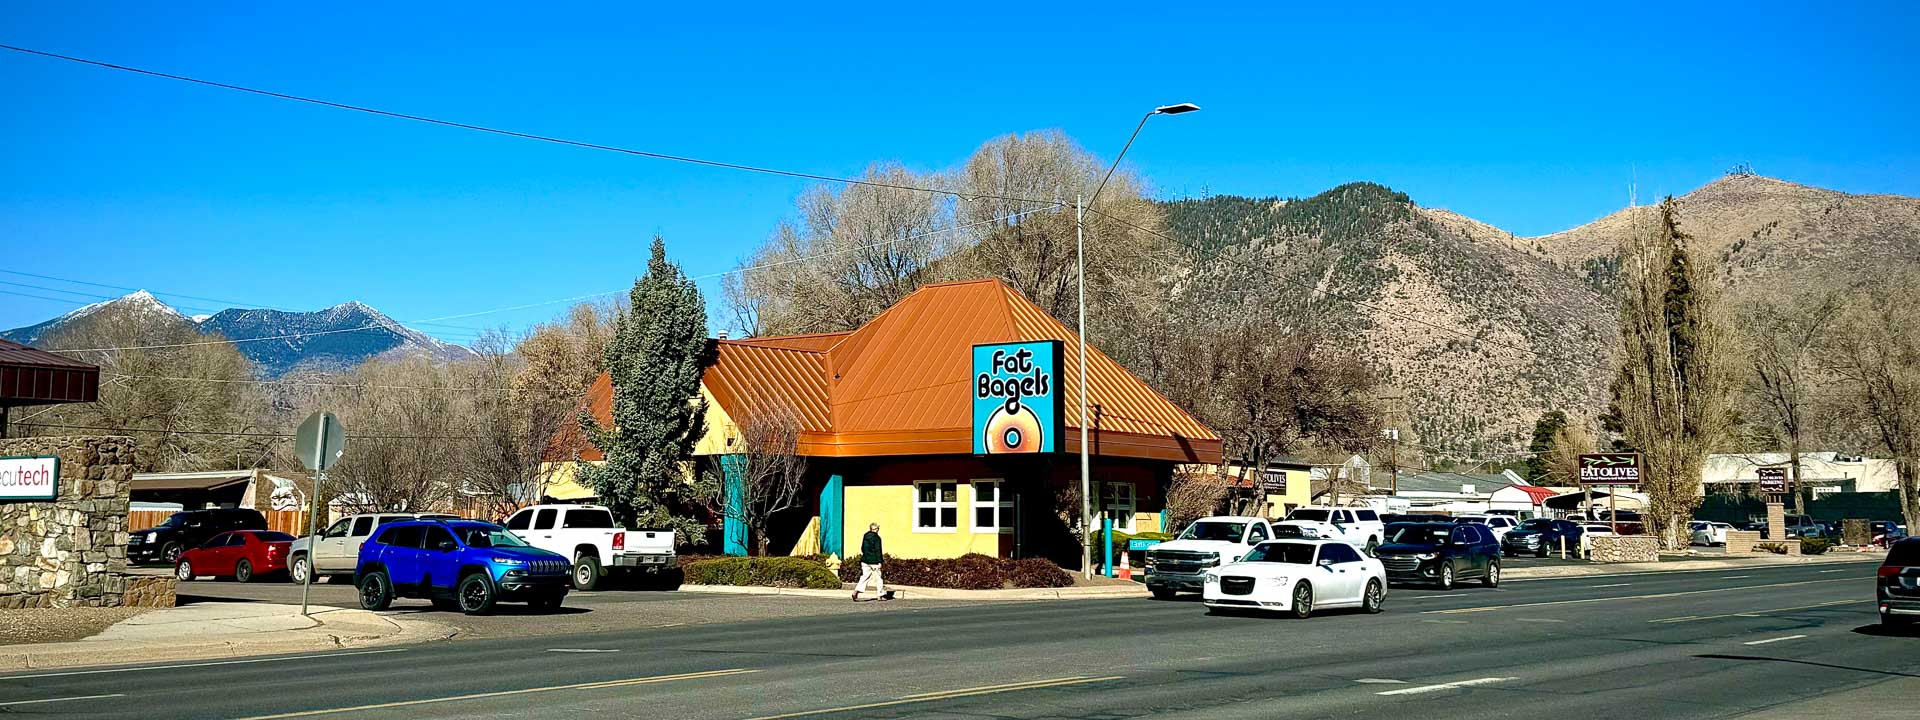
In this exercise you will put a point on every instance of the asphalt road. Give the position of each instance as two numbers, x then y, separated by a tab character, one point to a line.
1797	640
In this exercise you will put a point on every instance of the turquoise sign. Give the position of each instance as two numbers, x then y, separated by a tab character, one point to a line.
1016	398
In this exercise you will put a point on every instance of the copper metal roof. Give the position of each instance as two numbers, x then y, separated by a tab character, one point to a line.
899	384
29	376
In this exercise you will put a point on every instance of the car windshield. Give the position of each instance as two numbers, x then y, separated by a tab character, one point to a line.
175	520
1305	514
270	536
486	536
1215	530
1417	534
1536	524
1290	553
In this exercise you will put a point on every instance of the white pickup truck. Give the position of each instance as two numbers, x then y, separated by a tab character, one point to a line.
1181	564
1357	526
588	534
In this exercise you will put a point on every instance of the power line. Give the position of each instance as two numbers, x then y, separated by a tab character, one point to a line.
347	386
282	436
513	133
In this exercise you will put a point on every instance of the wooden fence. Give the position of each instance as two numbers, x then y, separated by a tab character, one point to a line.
291	522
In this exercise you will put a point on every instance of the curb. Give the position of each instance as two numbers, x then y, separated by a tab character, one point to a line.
910	592
1549	573
97	652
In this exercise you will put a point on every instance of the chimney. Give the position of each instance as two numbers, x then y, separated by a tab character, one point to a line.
723	334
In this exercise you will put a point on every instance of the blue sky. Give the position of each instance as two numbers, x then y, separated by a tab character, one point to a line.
1528	117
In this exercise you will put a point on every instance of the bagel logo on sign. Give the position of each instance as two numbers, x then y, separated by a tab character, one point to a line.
1016	398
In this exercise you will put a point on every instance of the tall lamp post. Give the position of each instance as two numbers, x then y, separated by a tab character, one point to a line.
1080	263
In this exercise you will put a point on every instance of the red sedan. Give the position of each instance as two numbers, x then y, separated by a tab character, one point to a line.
240	555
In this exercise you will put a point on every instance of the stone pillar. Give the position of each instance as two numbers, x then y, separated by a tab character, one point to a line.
70	551
1776	522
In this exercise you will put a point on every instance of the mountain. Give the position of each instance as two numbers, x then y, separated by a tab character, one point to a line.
277	341
1477	331
1473	337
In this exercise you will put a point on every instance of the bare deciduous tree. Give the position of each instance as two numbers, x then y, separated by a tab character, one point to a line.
1782	373
1876	351
765	457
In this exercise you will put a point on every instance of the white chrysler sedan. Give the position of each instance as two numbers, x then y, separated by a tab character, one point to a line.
1297	577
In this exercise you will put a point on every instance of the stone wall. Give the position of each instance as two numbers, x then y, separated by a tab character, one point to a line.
72	551
1741	542
1624	548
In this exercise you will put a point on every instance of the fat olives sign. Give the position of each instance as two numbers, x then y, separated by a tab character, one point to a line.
1610	469
1016	398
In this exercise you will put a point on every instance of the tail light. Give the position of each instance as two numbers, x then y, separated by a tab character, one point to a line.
1890	570
619	541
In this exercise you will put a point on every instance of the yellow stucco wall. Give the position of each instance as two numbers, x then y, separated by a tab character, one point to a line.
892	507
557	480
1299	492
720	427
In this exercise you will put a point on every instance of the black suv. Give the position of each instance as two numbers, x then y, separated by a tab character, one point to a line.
187	529
1898	589
1440	553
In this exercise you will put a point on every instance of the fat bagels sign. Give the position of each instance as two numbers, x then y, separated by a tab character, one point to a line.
1610	469
1016	398
29	478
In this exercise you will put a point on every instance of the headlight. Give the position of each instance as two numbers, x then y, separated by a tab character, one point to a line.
507	561
1212	559
152	536
1426	556
1213	579
1309	533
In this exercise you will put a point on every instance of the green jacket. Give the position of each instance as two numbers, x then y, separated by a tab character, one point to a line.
870	548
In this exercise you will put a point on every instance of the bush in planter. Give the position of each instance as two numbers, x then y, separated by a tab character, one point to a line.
1037	573
1772	547
785	572
1813	546
968	572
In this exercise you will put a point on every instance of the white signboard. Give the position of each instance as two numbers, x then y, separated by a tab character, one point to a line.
29	478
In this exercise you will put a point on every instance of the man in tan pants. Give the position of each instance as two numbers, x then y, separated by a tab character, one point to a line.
871	557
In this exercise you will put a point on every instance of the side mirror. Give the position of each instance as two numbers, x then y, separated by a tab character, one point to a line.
446	546
1326	564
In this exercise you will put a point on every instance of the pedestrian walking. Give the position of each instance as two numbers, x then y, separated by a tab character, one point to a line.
870	557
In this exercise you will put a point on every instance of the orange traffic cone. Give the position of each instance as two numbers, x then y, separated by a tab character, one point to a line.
1126	570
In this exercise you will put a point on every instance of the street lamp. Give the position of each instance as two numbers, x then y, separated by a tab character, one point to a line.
1080	262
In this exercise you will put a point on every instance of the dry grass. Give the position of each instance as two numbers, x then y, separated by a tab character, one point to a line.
20	627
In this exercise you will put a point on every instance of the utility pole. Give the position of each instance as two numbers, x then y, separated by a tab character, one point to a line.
1086	462
1393	457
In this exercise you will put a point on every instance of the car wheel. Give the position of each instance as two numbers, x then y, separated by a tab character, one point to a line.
376	591
1446	576
475	594
183	570
1542	552
171	552
1373	544
243	571
1492	579
1371	601
1303	600
297	572
586	572
1162	593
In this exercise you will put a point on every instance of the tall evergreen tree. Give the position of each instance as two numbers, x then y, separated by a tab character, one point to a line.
655	359
1544	430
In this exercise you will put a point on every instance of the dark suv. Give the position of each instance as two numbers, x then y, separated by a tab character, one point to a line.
1541	536
458	564
187	529
1898	589
1440	553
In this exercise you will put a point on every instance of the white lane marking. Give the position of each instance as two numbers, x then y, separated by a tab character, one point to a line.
582	650
64	699
1773	640
1380	681
1682	593
1445	622
1735	577
1756	613
201	664
1610	585
1540	620
1823	572
1445	686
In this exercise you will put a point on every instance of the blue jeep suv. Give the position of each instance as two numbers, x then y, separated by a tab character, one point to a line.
458	564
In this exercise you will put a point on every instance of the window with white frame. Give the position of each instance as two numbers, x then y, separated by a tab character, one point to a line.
1117	501
992	507
936	506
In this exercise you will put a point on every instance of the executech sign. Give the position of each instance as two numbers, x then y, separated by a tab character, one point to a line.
1610	469
1016	398
29	478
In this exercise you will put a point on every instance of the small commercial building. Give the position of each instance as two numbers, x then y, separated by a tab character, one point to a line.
952	420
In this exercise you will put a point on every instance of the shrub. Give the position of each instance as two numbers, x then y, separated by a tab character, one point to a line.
785	572
968	572
1037	573
1813	546
1772	547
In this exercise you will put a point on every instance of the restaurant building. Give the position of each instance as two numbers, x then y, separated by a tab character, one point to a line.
952	420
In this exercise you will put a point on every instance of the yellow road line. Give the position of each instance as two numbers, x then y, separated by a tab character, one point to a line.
505	693
1581	601
949	695
1754	613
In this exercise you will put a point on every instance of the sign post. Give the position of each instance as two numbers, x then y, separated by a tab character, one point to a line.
1611	470
318	443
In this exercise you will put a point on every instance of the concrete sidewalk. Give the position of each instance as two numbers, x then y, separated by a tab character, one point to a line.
1679	565
219	630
